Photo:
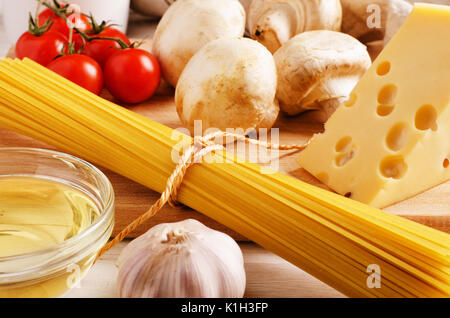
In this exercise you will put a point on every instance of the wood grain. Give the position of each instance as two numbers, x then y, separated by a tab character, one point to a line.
268	275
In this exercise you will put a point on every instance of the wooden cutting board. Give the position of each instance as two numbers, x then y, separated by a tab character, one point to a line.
431	208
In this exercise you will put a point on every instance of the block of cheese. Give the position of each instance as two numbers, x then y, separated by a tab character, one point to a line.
391	139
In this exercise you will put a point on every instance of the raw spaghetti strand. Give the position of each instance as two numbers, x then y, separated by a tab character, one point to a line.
201	147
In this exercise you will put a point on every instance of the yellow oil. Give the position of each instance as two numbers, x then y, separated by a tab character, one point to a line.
37	213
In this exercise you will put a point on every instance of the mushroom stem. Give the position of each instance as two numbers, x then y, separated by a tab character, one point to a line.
276	27
317	70
327	96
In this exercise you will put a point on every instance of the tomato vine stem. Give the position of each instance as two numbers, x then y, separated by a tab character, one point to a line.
62	13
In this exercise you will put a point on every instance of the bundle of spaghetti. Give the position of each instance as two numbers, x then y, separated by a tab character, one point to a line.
332	237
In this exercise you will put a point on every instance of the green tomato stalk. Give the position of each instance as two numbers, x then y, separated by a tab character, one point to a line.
62	13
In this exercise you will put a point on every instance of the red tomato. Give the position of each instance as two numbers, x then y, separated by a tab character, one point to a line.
132	75
100	50
59	25
42	49
81	70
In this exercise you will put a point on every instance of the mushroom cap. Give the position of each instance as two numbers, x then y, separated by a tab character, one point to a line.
229	83
318	66
273	22
190	24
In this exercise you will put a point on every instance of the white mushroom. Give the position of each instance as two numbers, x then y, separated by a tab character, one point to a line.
190	24
273	22
317	70
229	83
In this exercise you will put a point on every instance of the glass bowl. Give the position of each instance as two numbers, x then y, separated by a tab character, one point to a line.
53	271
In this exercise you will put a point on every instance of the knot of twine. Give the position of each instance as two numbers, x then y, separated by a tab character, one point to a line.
200	147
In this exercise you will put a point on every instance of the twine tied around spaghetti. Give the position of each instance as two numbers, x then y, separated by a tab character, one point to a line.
200	147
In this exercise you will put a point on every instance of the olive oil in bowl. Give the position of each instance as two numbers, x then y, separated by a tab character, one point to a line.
38	213
56	213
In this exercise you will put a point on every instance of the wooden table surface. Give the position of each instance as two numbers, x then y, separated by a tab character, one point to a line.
267	276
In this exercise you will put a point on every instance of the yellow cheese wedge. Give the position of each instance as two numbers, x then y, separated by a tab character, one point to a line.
391	139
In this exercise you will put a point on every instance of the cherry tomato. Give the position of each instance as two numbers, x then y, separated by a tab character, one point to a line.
101	50
59	25
132	75
42	49
81	70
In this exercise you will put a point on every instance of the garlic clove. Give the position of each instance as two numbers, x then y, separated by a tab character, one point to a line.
183	259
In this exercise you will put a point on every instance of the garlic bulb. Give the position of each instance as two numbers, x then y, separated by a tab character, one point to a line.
183	259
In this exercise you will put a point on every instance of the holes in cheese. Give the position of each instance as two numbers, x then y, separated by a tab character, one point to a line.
346	151
343	158
386	99
383	68
384	110
393	167
351	100
387	95
426	118
343	144
398	136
